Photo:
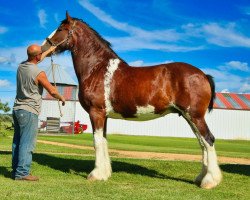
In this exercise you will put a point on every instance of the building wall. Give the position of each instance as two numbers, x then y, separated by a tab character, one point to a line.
224	124
50	108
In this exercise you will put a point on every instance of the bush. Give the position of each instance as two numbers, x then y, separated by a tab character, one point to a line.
6	118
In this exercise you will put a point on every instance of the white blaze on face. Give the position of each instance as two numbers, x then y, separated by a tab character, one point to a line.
112	67
50	36
140	110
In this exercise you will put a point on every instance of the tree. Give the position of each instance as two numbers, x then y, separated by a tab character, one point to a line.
5	108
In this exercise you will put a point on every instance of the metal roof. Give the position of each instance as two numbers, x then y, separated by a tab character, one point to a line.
61	76
232	101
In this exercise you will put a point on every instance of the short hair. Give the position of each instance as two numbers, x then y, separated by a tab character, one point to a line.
33	50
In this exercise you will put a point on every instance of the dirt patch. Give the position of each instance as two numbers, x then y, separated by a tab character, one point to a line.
152	155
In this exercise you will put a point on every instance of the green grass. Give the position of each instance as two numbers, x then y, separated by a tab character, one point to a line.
229	148
64	177
6	142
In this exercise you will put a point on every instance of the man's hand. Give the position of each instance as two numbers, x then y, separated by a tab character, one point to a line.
47	53
51	49
62	99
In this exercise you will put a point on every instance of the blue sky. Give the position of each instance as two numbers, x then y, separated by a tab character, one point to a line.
211	35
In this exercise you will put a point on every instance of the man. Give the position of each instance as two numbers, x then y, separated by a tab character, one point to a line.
30	83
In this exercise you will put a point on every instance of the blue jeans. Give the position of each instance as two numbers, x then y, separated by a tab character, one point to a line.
24	142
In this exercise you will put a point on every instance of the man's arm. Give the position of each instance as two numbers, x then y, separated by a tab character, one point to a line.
43	80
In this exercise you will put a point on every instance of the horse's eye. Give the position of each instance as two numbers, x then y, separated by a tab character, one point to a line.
59	29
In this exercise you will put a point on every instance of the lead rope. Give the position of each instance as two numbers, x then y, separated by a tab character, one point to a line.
53	74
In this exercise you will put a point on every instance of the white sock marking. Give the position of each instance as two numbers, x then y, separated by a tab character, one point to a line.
214	175
102	169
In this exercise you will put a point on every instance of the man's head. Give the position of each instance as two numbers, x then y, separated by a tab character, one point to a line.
34	52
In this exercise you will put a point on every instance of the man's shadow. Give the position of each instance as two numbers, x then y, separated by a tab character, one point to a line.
5	171
85	166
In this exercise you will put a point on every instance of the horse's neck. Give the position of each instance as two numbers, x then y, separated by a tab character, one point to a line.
91	53
87	63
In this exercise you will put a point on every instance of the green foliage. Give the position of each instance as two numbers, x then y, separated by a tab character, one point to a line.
4	107
6	118
3	117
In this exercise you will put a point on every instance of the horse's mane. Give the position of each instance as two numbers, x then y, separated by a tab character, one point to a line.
102	40
93	30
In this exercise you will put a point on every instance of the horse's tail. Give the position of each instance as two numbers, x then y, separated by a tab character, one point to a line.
212	85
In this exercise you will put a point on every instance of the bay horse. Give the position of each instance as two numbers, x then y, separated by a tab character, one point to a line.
110	88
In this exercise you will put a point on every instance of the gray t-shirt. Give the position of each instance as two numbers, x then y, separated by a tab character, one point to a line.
29	94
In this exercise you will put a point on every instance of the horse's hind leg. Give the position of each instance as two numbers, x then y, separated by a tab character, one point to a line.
210	175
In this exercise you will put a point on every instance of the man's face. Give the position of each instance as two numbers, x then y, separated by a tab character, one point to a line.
39	56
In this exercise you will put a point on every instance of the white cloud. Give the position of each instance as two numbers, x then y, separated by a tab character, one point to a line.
3	59
235	65
246	10
4	83
42	18
101	15
191	36
140	63
161	35
137	63
134	43
3	29
11	57
226	36
225	79
245	88
139	38
225	91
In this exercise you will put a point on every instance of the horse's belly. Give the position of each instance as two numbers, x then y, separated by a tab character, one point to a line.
143	114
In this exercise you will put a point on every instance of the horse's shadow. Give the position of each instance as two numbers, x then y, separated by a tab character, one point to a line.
83	167
236	169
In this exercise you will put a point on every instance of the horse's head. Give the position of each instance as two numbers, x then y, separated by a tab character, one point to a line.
62	37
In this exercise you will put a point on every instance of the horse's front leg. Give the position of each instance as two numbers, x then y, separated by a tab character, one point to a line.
102	170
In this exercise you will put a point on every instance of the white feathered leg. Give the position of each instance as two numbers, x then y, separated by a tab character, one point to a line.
102	170
214	175
204	167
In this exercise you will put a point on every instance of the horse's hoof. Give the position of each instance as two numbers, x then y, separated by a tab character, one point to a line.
91	177
208	186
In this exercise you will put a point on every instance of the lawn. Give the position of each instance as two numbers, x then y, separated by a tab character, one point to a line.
229	148
64	176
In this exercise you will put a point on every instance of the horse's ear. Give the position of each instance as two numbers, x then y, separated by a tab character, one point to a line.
69	19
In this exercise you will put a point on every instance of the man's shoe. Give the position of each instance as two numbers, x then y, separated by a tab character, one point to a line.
27	178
